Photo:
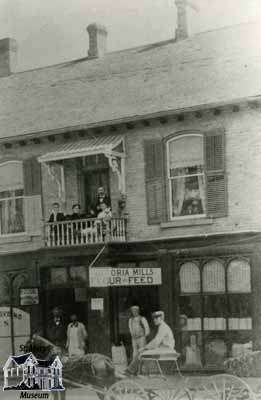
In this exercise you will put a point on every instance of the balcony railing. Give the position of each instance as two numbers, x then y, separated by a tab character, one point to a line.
85	231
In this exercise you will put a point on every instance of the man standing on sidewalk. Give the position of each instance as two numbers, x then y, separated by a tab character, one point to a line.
139	330
76	337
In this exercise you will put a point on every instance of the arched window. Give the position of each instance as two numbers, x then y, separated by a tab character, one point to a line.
189	278
11	198
238	277
186	175
214	277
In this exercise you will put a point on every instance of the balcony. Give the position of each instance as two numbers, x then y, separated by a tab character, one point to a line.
83	232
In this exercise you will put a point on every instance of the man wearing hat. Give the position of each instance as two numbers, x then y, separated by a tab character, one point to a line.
56	329
164	339
162	342
139	330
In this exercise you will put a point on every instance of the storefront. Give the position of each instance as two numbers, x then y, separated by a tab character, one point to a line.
129	283
209	290
65	284
210	294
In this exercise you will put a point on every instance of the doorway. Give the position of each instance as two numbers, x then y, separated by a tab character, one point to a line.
66	299
95	175
146	297
94	180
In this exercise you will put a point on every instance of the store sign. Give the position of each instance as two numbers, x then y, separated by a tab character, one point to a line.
104	277
29	296
21	331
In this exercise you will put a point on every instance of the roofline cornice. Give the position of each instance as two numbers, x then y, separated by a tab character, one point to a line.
252	101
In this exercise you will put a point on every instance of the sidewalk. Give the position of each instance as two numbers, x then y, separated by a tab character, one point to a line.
146	382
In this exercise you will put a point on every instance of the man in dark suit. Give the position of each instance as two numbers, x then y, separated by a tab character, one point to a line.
75	227
76	212
56	328
101	197
56	215
56	230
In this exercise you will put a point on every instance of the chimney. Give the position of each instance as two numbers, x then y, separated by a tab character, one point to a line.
182	23
97	40
8	53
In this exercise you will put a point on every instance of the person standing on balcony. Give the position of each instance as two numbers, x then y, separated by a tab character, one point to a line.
76	337
56	230
56	215
101	197
105	215
139	330
76	212
75	227
105	212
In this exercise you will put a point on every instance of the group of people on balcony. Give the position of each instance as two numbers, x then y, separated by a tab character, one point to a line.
79	232
101	209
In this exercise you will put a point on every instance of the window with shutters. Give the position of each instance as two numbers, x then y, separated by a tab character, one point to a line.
196	175
11	198
186	175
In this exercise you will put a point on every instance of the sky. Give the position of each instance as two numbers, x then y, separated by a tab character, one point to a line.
53	31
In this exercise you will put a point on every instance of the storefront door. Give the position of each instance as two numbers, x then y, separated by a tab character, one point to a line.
67	299
146	297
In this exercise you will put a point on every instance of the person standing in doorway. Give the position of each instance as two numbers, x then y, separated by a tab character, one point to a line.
56	328
139	330
101	197
76	337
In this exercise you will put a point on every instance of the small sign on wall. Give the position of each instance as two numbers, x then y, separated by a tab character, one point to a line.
97	304
29	296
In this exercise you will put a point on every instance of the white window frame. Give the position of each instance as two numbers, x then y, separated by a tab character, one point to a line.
2	235
172	178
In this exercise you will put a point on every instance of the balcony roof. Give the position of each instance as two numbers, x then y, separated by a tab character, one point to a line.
110	144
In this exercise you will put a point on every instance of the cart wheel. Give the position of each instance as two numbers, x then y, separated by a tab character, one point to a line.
126	389
225	387
171	394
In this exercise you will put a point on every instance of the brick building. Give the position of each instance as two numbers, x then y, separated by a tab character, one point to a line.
171	132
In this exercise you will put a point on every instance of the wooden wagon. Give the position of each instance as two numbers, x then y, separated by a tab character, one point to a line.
96	372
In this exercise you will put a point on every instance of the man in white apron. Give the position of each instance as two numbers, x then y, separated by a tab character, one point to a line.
139	330
76	336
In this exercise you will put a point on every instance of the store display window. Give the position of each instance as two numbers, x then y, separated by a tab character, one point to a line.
215	310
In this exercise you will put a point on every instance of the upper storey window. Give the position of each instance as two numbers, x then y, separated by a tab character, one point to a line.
186	176
11	198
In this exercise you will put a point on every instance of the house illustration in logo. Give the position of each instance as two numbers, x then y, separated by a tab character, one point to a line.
25	372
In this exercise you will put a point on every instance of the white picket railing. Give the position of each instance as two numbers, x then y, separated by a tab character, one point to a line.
84	231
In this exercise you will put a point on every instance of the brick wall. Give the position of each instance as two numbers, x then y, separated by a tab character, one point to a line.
243	165
243	145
